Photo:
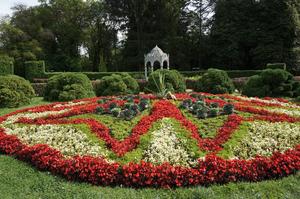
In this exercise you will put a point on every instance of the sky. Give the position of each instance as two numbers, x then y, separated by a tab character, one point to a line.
5	5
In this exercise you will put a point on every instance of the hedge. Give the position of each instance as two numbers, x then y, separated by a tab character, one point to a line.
231	73
276	66
34	69
6	67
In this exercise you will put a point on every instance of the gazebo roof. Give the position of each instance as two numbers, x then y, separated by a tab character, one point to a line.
156	52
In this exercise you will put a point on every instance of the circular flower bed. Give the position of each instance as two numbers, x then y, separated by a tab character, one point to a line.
142	141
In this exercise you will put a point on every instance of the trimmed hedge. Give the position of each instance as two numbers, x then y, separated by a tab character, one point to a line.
215	81
231	73
34	69
117	84
15	91
39	72
173	79
68	86
6	65
276	66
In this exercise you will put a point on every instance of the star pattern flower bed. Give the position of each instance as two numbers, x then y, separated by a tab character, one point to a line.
143	141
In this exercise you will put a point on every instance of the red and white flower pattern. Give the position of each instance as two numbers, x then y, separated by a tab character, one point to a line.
23	134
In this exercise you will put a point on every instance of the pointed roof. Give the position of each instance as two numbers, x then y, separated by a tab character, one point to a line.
157	50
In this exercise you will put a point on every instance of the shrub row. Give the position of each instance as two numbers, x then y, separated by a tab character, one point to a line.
36	69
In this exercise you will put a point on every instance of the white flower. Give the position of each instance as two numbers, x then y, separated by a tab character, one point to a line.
264	138
69	140
166	147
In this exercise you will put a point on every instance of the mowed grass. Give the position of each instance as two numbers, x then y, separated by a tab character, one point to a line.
20	180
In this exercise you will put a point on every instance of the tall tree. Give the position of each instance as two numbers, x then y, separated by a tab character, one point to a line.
249	34
201	15
100	35
147	23
18	44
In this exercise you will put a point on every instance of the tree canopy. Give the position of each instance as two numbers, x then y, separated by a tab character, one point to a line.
85	35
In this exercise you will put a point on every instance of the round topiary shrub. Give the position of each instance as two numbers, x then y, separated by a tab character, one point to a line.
173	81
68	86
216	82
256	87
117	85
131	83
273	83
15	91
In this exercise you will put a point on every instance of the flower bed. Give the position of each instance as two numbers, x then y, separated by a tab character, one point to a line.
141	141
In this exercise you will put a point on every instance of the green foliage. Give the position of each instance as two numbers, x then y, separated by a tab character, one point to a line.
172	81
208	128
131	83
273	83
228	109
22	181
15	91
203	110
117	85
120	128
34	69
215	81
241	39
6	65
17	43
68	86
276	66
234	141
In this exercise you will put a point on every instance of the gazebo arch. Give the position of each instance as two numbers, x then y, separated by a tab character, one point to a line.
156	55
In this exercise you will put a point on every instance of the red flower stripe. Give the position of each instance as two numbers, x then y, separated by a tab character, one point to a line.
99	172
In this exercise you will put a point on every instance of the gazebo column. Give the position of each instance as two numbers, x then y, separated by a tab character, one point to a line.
146	72
168	65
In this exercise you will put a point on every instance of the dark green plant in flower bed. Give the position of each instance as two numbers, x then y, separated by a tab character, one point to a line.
203	110
127	112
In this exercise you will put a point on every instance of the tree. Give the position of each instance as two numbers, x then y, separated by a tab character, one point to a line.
100	36
249	34
147	23
199	27
19	45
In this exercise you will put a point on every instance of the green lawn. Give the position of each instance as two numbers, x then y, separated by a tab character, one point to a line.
20	180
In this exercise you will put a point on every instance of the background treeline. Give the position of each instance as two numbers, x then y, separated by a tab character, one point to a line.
114	35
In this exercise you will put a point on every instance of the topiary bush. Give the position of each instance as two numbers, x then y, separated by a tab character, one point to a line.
216	82
68	86
117	85
131	83
172	78
273	83
15	91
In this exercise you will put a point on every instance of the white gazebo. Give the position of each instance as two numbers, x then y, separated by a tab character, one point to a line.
156	55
